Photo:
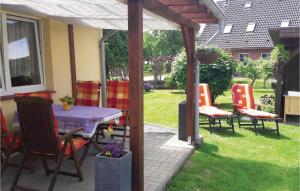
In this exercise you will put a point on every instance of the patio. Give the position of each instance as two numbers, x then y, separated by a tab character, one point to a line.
164	156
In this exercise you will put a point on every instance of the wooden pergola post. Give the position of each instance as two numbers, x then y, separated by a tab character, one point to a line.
189	43
136	90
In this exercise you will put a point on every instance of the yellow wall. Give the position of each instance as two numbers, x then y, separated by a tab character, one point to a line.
57	59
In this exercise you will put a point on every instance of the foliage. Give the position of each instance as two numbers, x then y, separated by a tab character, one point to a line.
250	69
116	54
67	99
148	87
268	102
218	75
266	69
207	49
113	150
280	54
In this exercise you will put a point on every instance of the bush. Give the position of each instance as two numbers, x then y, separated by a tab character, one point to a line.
218	75
250	69
268	102
266	69
147	87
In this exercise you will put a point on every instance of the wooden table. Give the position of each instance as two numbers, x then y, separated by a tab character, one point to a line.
291	106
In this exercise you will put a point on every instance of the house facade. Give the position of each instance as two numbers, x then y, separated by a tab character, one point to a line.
35	56
245	32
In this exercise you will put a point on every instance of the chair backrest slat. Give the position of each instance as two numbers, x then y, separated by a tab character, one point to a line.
242	96
37	126
204	95
88	93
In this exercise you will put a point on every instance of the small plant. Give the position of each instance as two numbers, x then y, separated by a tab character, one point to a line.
148	87
207	50
268	102
113	150
67	100
207	54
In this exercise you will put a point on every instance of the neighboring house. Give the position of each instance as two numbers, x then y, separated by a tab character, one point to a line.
35	56
245	33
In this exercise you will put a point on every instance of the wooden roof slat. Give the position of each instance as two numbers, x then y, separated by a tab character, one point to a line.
208	21
179	2
189	8
198	15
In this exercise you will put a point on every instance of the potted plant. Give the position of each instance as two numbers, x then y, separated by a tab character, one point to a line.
67	102
113	169
207	54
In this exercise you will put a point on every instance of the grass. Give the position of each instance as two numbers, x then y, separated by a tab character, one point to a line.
228	162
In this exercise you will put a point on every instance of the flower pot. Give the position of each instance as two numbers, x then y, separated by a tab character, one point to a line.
67	107
207	58
113	174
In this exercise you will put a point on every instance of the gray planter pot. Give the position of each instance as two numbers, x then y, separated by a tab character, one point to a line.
113	174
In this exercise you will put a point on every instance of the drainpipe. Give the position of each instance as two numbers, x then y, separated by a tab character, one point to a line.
198	139
220	29
102	64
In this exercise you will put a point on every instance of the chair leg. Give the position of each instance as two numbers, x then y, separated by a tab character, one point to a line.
5	160
239	120
87	147
220	123
232	125
56	171
263	124
76	160
255	123
277	127
45	164
209	123
30	166
124	135
15	182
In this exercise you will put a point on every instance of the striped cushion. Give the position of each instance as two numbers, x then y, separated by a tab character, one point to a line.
117	97
242	96
88	93
204	95
214	112
257	113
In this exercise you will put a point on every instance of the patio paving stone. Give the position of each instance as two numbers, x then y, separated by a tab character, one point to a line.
164	156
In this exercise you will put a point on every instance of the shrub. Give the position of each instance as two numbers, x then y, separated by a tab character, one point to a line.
218	75
268	102
250	69
147	87
266	69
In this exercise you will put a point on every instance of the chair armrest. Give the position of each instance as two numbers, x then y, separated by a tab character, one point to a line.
68	135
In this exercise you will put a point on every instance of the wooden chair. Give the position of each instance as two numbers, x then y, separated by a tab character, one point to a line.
244	105
10	144
211	112
40	137
117	97
88	93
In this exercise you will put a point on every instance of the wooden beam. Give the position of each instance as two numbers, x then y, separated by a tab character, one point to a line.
163	10
136	90
194	16
207	21
189	9
179	2
189	43
72	60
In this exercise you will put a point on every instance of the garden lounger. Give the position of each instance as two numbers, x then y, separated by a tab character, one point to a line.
244	105
208	110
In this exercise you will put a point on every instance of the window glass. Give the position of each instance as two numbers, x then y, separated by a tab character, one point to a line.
23	53
285	23
248	4
227	28
250	27
265	55
243	57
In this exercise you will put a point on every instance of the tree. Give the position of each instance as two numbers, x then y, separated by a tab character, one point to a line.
218	75
250	69
266	69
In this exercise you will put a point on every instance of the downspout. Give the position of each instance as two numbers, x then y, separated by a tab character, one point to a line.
102	64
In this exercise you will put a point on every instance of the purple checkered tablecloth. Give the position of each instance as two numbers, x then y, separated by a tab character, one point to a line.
85	117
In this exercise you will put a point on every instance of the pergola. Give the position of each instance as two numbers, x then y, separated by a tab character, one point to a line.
158	14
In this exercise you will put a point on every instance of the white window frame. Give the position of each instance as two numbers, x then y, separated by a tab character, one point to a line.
284	22
2	88
228	27
261	54
244	56
250	25
8	89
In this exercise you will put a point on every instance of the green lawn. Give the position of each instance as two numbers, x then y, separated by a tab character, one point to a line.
225	162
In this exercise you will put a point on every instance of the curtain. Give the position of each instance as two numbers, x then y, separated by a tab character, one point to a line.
22	53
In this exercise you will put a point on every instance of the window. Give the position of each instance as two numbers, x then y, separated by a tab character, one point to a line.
22	64
248	4
250	27
265	55
227	28
243	56
285	23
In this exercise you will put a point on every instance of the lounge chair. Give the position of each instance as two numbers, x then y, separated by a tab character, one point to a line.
41	139
244	105
211	112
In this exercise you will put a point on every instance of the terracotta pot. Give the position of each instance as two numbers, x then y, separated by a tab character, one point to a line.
207	58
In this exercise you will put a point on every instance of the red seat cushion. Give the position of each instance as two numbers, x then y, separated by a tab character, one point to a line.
78	143
88	93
